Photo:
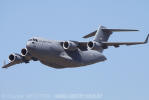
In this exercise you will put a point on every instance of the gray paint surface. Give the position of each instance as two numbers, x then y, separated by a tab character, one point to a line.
68	54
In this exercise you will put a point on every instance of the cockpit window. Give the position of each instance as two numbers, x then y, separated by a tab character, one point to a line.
33	40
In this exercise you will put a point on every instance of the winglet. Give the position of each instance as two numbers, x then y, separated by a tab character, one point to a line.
146	40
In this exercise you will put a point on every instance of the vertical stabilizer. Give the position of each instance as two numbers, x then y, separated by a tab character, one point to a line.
102	35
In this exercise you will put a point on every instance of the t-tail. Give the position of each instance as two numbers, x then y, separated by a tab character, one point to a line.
102	34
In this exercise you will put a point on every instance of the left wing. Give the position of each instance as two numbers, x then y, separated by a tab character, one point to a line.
116	44
10	64
15	59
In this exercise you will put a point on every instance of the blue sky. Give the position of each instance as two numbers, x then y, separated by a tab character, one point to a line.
124	76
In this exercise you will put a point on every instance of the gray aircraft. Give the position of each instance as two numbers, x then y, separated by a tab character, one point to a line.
68	54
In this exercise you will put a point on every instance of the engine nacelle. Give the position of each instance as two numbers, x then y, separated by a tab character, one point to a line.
69	45
15	57
24	52
26	55
93	45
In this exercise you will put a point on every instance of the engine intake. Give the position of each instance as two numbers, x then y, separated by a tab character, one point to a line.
69	45
11	57
15	57
24	52
94	45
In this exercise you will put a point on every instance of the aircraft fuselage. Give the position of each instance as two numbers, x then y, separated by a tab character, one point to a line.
51	53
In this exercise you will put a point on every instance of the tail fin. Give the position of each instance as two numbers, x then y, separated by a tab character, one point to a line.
103	34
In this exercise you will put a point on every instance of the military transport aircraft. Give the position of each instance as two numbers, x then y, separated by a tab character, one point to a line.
68	54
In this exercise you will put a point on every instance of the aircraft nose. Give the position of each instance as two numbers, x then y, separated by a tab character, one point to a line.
30	45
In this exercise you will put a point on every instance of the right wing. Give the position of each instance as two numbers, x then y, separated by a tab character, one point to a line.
117	44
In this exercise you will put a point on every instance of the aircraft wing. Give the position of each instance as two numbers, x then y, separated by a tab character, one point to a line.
15	59
9	64
116	44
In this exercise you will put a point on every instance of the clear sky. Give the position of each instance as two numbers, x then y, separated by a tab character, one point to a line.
125	74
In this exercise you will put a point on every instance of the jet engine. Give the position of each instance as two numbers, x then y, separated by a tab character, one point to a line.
15	57
94	45
24	52
26	55
69	45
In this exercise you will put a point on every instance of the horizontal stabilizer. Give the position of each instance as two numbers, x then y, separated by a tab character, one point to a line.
90	34
119	30
109	30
